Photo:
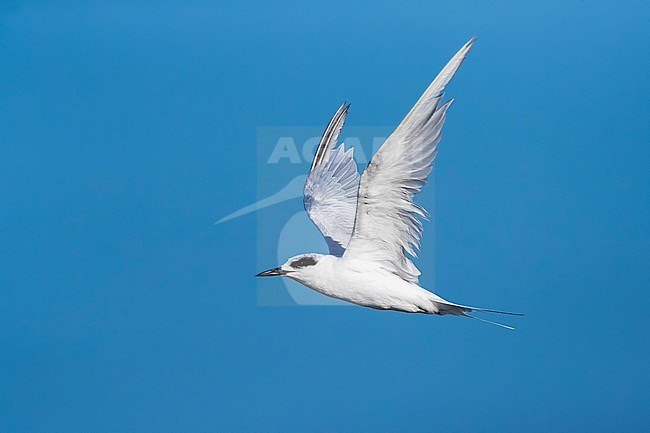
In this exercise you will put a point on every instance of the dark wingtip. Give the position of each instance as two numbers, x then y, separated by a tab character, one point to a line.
345	107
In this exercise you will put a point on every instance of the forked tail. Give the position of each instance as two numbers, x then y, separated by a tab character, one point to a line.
490	321
445	307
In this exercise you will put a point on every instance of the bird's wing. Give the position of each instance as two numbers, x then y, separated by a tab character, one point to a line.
330	193
387	222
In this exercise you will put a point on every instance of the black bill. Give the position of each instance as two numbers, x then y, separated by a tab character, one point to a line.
271	273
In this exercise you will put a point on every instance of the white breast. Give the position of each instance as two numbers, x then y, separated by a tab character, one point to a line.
366	283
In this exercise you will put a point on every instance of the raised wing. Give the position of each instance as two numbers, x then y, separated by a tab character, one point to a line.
330	194
387	220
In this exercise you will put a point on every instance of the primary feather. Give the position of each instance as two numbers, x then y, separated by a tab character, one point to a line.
330	193
387	225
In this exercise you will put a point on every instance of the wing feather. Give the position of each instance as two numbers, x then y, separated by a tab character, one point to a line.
330	193
388	223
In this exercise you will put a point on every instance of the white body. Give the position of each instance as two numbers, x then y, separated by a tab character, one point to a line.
367	283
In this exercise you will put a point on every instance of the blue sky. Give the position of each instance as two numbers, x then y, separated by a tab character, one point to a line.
128	129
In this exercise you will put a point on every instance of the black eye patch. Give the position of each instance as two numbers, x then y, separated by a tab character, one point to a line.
303	262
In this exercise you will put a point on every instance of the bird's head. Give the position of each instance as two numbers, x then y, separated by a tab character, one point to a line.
295	267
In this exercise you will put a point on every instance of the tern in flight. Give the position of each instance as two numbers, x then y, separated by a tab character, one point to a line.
370	223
